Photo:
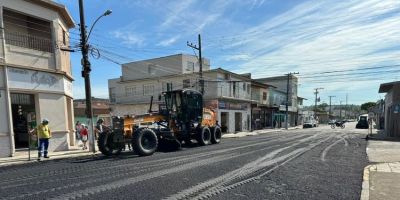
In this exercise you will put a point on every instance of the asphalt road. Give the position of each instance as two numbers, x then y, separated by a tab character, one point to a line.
317	163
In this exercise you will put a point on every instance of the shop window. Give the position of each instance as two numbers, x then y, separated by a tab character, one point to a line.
148	89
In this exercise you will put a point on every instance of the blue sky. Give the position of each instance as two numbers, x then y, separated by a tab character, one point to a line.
356	41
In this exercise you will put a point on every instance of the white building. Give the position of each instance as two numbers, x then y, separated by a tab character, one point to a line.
35	75
229	94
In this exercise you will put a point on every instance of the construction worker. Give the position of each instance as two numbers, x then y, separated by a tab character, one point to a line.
44	134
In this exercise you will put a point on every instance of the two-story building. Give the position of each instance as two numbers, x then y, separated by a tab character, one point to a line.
35	75
279	98
262	109
229	94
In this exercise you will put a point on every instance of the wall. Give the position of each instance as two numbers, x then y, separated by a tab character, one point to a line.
5	147
33	58
56	114
158	67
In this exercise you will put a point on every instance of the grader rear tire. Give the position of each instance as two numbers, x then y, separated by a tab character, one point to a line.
145	142
106	145
216	135
204	136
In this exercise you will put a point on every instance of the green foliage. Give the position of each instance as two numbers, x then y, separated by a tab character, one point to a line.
366	106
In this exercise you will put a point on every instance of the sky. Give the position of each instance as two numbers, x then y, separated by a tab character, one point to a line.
345	47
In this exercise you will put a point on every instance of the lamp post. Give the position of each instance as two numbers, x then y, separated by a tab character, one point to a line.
86	71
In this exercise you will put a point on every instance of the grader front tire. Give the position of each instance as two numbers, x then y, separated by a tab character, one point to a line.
145	142
204	136
106	145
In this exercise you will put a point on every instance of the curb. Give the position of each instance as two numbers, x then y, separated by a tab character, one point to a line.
365	183
52	158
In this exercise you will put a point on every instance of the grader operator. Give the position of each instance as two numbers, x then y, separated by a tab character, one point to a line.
183	118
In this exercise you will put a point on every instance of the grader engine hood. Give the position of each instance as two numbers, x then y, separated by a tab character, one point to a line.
148	118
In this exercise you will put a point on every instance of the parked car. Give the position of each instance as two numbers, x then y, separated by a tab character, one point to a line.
309	124
362	122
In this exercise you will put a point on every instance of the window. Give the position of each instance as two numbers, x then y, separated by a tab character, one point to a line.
64	34
227	76
264	96
28	32
130	90
151	69
248	88
148	89
244	86
190	66
112	94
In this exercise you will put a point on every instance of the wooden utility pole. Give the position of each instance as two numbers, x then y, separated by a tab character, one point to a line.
86	75
289	75
201	81
330	105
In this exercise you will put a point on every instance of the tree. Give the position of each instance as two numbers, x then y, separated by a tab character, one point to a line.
366	106
322	107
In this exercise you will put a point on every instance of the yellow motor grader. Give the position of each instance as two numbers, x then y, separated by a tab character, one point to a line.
181	119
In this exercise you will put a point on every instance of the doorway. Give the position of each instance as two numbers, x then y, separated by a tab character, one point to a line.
238	121
224	122
24	118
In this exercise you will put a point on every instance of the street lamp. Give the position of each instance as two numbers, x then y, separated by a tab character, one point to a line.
86	71
108	12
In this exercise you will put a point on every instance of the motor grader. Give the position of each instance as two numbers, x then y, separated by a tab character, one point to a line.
181	119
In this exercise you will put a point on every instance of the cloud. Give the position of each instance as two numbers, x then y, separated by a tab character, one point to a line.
317	36
169	41
238	57
176	12
128	37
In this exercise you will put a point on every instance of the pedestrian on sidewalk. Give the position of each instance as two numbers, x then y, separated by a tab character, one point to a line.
274	123
44	134
99	128
84	136
78	127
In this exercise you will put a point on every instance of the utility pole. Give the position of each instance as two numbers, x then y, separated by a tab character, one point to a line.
345	108
340	111
86	75
200	62
289	75
330	106
316	98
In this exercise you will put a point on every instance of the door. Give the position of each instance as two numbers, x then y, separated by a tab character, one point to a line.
23	114
238	121
224	122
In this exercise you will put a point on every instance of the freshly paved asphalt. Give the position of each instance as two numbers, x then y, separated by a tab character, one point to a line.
317	163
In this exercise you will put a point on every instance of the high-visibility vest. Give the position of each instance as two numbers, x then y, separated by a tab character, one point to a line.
43	131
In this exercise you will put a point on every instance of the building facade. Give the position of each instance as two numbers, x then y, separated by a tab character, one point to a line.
278	98
100	107
229	94
392	108
262	109
35	74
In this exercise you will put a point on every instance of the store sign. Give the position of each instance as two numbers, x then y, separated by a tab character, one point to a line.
232	106
36	80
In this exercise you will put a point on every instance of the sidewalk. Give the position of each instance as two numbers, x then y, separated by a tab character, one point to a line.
21	157
382	179
257	132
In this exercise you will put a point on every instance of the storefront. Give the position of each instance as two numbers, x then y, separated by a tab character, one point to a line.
27	98
233	115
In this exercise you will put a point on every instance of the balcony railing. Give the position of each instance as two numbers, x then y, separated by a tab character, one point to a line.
29	41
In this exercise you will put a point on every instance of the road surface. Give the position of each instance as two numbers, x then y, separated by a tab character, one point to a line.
316	163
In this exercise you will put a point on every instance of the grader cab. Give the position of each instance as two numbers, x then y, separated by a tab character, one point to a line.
181	119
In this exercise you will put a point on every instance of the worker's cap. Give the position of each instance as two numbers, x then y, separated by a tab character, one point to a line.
45	120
